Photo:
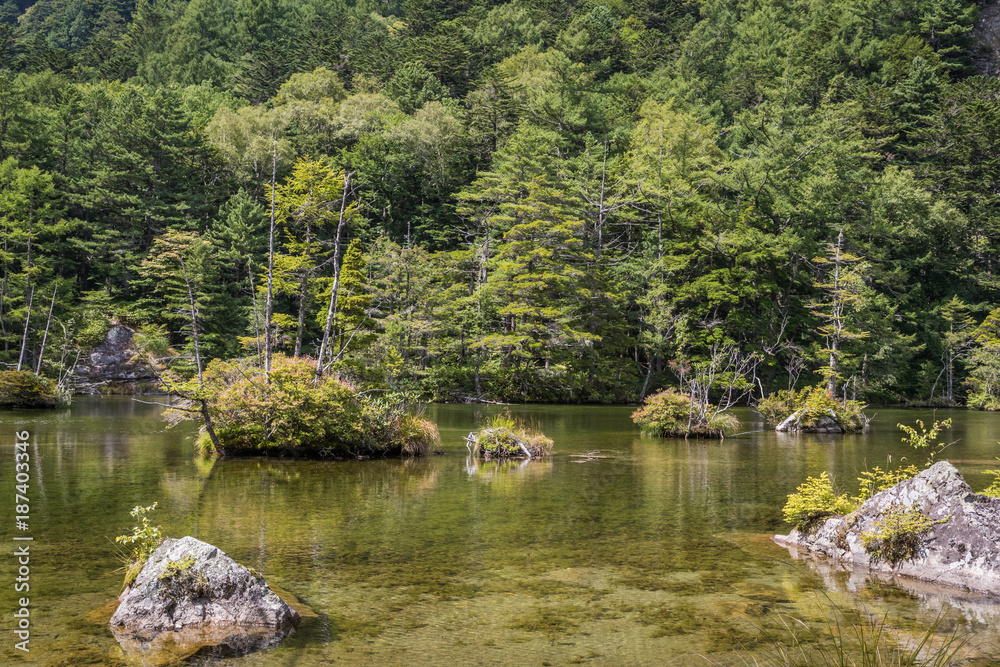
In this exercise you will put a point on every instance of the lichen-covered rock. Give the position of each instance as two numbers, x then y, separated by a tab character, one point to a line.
187	582
115	367
794	424
961	548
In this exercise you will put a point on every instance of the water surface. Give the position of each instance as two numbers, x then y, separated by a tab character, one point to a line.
657	552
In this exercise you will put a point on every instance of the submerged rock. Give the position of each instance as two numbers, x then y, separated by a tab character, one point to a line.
961	547
187	583
825	424
172	647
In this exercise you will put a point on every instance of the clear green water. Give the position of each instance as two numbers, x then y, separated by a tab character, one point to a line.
657	553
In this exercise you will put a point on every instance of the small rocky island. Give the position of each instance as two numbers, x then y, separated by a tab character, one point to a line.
189	593
932	527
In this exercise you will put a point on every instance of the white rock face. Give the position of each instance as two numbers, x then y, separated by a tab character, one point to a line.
963	550
189	583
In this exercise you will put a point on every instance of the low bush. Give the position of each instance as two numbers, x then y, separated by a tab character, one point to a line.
298	412
24	389
506	437
813	404
813	501
672	414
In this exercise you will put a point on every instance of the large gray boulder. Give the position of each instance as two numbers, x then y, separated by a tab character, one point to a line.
187	583
962	548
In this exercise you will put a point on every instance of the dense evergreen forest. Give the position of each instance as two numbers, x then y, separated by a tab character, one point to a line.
542	201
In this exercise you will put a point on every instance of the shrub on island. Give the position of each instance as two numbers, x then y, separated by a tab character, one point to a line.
24	389
296	411
813	410
506	437
671	414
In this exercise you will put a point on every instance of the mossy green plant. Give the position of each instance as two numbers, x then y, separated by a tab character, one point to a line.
174	567
898	534
672	414
179	579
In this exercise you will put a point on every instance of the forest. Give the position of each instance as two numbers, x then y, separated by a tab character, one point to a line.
544	201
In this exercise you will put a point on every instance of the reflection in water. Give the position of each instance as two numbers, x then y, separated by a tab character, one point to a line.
153	649
659	551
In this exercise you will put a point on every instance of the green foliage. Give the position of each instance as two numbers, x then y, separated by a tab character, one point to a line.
897	534
174	567
181	581
143	541
813	501
924	439
984	378
582	191
994	488
672	414
875	480
812	404
24	389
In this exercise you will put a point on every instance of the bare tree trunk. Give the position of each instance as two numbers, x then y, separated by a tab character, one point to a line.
45	336
831	387
269	304
24	338
331	310
256	313
3	292
303	287
194	318
210	428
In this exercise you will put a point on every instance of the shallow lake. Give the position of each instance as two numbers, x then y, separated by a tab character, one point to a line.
657	553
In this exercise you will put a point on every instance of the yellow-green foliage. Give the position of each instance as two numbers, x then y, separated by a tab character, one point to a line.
298	412
813	403
669	413
897	534
24	389
143	541
502	437
994	488
814	500
154	340
876	479
173	567
924	439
